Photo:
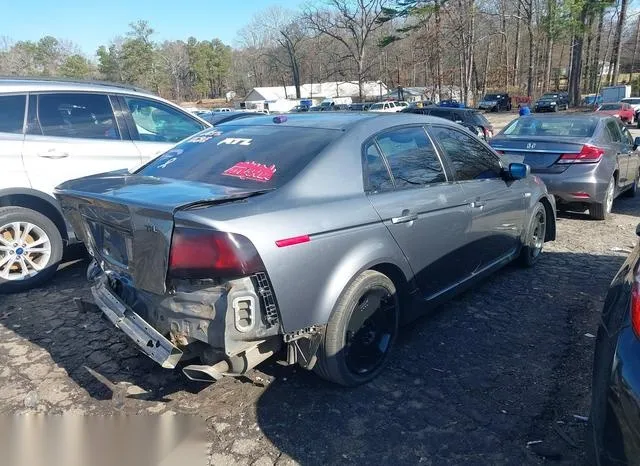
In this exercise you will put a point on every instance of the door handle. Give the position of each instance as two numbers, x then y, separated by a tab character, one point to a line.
53	154
406	217
478	204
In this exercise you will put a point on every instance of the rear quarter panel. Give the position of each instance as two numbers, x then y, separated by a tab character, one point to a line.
14	174
347	237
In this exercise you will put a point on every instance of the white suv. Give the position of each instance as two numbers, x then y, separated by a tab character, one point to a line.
385	107
53	131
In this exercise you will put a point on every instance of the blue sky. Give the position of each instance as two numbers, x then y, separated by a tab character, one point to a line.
90	24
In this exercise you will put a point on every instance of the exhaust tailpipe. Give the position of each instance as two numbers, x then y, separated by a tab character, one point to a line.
203	373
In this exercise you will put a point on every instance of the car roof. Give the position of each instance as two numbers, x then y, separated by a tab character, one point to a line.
594	116
343	121
20	85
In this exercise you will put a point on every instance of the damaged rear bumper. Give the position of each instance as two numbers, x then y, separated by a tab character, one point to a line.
149	340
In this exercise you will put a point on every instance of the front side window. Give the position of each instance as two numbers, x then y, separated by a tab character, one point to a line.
84	116
411	157
470	159
158	122
12	113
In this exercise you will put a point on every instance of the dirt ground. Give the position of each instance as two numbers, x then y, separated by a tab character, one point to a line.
500	375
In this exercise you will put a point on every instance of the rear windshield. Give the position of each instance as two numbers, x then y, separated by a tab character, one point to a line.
445	114
611	107
480	118
567	127
260	157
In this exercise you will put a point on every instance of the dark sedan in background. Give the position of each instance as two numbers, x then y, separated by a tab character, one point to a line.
471	119
614	427
586	161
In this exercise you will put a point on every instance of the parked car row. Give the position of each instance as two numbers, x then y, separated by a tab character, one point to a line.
202	236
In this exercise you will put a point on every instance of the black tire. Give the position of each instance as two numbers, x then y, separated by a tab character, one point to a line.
534	242
598	429
20	214
602	210
333	354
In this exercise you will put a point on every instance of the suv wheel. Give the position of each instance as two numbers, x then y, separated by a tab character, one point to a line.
361	331
30	249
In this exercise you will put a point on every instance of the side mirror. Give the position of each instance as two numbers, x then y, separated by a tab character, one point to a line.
636	143
638	229
518	171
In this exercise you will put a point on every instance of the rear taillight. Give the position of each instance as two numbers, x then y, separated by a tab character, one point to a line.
199	253
635	307
488	132
588	154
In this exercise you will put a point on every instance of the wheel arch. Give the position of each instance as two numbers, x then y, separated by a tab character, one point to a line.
41	202
394	266
550	234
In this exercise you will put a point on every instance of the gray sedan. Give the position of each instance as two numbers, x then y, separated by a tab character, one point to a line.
586	161
319	233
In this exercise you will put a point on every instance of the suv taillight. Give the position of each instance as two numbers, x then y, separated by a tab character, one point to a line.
199	253
588	154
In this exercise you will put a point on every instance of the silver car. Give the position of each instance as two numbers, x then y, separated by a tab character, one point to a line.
586	161
319	233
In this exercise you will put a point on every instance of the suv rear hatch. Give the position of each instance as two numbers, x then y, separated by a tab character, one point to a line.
126	221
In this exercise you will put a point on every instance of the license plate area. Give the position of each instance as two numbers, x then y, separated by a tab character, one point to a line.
110	244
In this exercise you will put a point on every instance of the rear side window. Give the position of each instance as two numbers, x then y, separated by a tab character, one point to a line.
470	159
626	135
86	116
411	157
480	119
12	113
260	157
378	178
613	131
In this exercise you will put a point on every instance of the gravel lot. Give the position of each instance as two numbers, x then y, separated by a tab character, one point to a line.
502	365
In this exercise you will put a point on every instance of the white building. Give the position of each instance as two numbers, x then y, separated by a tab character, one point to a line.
283	99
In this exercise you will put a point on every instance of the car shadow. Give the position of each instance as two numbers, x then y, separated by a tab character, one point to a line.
463	385
471	383
622	205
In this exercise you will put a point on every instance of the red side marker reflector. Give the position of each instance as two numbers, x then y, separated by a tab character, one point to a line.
282	243
581	194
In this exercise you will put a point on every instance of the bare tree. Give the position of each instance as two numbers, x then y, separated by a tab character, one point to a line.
350	23
617	42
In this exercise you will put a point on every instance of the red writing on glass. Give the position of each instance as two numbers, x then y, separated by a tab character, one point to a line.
251	171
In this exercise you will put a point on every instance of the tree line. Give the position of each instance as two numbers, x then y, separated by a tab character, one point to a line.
525	47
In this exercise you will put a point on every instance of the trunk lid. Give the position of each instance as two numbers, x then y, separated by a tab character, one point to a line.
126	221
540	154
